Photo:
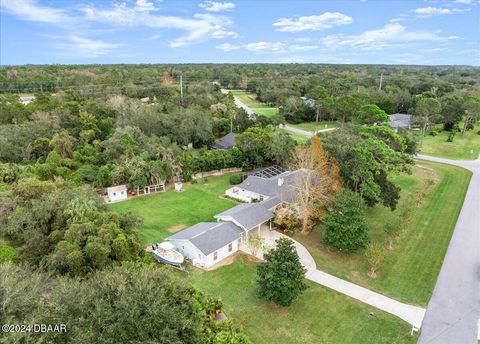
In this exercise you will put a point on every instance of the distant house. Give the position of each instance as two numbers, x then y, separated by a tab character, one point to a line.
400	120
308	101
117	193
225	142
207	243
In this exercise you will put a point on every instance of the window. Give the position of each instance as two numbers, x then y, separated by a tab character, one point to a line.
230	247
122	193
114	193
215	255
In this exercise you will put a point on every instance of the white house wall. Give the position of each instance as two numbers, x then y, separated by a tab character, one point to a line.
190	251
222	253
242	194
119	196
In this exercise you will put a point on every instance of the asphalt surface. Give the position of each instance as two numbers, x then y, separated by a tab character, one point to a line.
453	311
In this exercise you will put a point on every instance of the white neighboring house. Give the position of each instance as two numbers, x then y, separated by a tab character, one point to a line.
117	193
207	243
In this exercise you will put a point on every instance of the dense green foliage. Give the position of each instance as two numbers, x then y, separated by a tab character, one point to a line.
66	229
280	276
124	304
344	226
367	157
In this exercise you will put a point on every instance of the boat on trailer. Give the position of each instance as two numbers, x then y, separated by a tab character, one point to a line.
165	253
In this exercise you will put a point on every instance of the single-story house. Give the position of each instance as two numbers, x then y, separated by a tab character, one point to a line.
255	188
207	243
225	142
117	193
247	216
400	120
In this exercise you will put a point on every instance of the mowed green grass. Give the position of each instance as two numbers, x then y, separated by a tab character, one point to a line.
251	101
465	147
320	315
300	139
410	270
313	126
161	212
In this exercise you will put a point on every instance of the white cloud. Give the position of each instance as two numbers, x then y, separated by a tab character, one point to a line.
213	6
228	47
425	12
145	6
303	47
197	29
431	11
264	46
255	47
275	47
85	47
31	11
324	21
390	34
466	2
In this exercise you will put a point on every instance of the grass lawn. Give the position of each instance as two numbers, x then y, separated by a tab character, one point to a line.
299	138
251	101
410	270
462	148
318	316
313	126
170	211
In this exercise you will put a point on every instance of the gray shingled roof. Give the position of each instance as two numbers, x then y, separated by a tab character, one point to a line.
270	202
228	141
208	237
269	186
400	120
248	215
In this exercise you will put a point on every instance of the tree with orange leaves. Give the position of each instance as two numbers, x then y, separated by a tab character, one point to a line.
316	185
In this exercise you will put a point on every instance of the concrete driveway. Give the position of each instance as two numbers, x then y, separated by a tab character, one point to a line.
453	311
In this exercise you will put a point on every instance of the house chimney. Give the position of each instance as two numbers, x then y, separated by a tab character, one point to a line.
280	181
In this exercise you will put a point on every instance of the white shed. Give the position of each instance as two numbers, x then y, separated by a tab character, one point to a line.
117	193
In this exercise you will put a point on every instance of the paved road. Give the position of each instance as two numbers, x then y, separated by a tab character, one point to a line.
454	309
302	132
241	105
411	314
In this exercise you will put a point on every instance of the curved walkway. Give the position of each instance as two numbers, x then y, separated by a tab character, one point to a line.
411	314
454	309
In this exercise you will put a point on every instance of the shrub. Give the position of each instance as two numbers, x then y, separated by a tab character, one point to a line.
344	225
433	133
375	254
236	179
280	277
8	254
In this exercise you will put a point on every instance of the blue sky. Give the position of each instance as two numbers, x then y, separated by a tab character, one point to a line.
180	31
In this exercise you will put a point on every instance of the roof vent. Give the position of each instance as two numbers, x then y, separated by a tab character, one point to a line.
280	181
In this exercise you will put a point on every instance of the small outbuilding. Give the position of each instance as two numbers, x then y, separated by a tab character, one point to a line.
117	193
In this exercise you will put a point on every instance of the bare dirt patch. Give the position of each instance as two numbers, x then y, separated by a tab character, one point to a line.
176	228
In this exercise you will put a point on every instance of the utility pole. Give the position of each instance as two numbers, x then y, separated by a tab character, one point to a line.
181	88
381	79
